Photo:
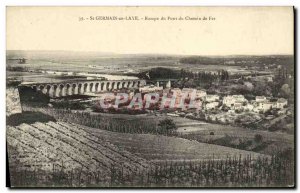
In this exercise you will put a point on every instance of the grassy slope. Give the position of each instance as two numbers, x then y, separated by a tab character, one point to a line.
203	128
63	143
163	148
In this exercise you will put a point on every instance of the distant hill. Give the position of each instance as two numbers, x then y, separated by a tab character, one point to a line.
46	54
239	60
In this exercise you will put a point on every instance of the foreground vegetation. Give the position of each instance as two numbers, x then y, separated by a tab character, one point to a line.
232	172
68	155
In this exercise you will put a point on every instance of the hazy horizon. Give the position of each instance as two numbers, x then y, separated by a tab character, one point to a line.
162	54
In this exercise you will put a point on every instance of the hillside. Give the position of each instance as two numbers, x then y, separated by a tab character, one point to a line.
48	144
70	155
58	142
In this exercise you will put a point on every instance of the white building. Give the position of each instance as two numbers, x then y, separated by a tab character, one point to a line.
151	88
260	99
212	105
265	106
269	78
189	91
230	100
201	93
59	73
168	85
249	107
50	72
281	103
238	106
212	98
70	73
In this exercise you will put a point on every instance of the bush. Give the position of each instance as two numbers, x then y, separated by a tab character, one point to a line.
166	126
258	138
28	117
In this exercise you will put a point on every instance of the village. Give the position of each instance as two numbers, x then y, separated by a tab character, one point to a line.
190	103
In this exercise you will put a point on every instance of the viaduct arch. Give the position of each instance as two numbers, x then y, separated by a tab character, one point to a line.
61	89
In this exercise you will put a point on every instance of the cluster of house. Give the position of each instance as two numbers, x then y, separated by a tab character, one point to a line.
210	102
264	104
260	104
181	99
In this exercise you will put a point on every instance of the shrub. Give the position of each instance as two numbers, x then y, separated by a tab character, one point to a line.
258	138
28	117
166	126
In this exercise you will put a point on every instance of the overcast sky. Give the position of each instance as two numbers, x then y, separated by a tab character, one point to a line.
235	31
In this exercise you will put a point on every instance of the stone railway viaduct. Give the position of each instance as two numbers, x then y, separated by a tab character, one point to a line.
61	89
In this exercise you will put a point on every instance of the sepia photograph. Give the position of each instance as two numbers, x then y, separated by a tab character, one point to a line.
150	97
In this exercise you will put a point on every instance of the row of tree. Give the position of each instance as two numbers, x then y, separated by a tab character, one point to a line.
96	120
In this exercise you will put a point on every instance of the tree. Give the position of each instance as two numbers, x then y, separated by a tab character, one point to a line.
285	90
258	138
167	125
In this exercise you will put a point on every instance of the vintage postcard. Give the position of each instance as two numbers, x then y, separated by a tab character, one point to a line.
150	97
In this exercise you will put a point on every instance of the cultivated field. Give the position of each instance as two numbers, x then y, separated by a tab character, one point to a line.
40	145
219	134
67	154
195	127
77	146
158	148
